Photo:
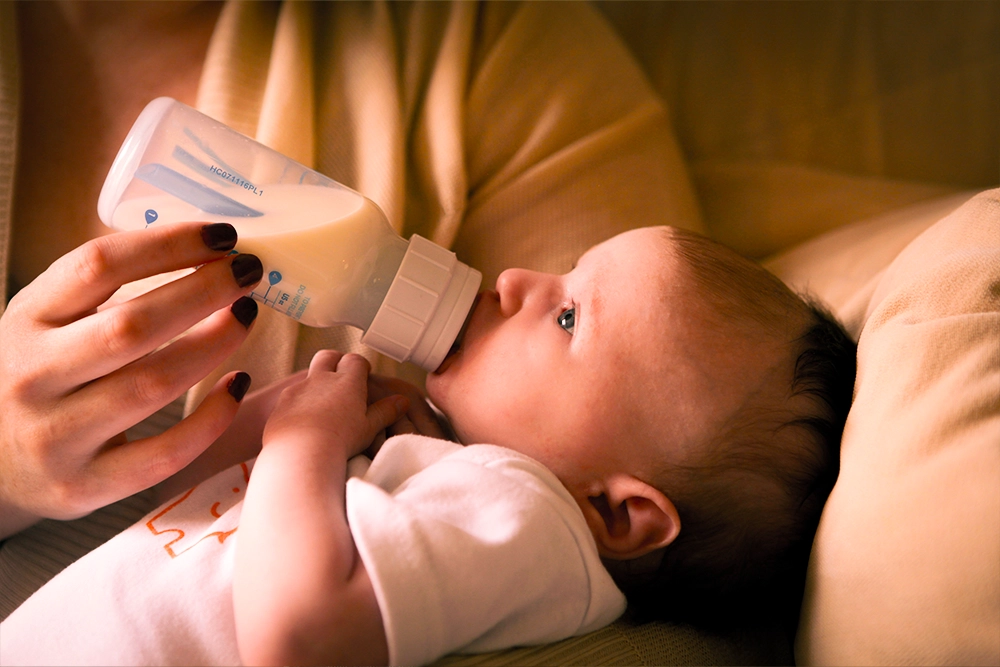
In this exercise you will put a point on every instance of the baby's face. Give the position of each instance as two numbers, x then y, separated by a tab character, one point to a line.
574	370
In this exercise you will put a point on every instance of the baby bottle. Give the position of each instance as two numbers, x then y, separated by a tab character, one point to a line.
329	254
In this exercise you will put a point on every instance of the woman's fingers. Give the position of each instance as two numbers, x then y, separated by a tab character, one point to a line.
85	278
121	471
72	378
144	386
105	341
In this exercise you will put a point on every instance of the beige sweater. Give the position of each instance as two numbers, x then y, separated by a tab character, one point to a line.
516	135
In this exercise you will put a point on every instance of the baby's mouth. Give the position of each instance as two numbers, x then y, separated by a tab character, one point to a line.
448	358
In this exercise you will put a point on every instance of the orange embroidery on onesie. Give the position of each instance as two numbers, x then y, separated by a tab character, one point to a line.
185	517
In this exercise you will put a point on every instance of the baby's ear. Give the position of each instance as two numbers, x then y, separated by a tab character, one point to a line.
630	518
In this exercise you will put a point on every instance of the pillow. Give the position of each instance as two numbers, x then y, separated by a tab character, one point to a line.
842	267
905	567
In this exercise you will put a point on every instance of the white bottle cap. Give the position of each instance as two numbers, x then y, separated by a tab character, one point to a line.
425	307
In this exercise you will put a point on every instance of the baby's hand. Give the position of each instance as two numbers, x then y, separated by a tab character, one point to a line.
420	418
329	410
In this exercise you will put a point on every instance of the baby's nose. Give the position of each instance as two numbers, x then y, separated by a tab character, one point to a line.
513	286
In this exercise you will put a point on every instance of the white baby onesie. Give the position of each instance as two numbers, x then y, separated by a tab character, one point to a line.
468	548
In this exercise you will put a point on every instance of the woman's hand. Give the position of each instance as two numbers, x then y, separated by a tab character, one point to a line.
73	378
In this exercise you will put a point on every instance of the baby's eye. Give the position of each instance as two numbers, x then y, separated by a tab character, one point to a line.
567	319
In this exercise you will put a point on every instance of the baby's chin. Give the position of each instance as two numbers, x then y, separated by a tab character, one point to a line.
433	386
436	388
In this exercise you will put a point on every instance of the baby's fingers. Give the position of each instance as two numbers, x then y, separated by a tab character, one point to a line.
355	365
386	412
325	361
402	427
423	420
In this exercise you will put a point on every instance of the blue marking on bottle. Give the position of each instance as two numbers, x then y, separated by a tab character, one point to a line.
273	278
151	216
193	192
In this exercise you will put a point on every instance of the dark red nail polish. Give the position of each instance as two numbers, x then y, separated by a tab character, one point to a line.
247	270
219	236
245	310
239	385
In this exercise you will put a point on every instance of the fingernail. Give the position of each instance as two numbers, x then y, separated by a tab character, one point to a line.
247	270
239	385
219	236
245	310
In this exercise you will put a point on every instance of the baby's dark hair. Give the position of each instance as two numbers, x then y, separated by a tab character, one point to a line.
749	506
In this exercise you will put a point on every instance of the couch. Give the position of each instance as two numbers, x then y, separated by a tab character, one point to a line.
851	147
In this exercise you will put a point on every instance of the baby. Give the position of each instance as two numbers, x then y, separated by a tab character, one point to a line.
664	421
688	401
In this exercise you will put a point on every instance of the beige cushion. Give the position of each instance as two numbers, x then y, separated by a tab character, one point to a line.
843	267
906	564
